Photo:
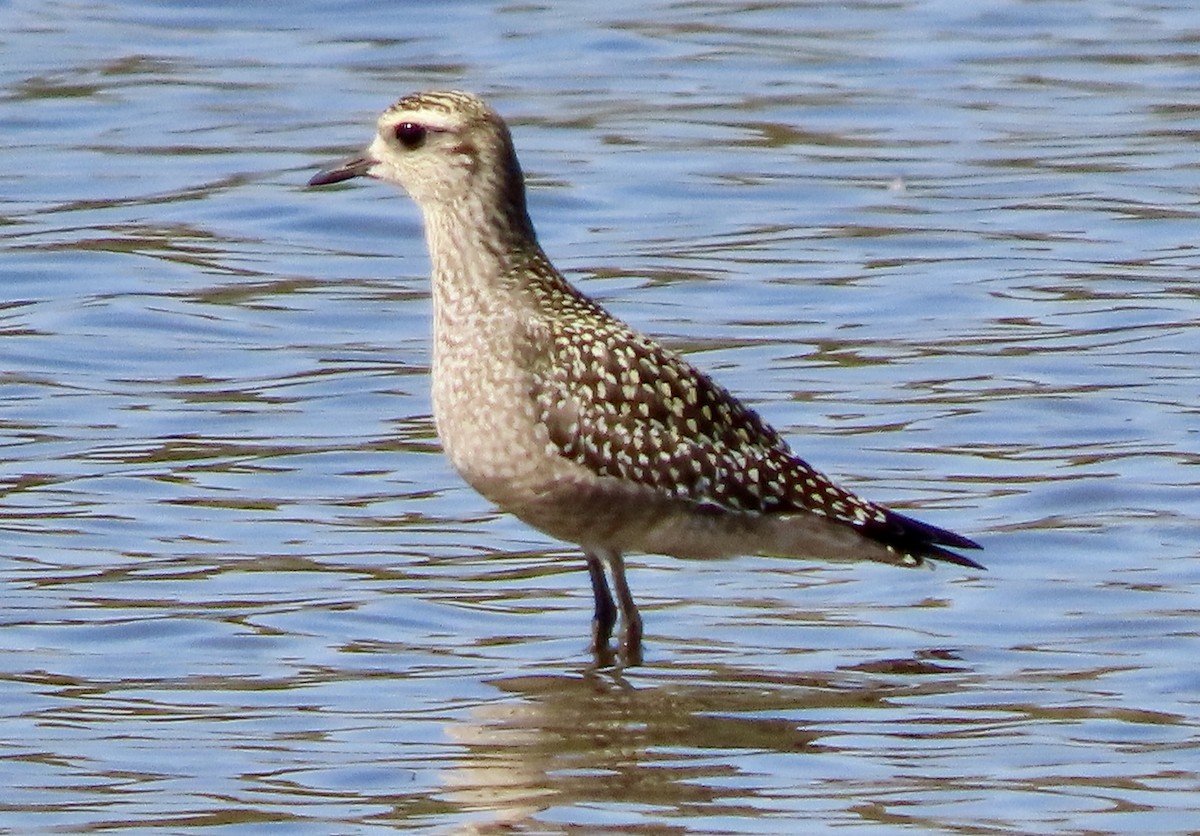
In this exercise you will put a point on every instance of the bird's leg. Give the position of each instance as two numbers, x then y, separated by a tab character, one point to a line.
631	619
606	611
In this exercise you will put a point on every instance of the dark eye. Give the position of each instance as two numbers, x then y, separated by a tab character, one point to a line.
410	134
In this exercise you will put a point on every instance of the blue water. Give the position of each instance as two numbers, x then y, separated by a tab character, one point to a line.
948	248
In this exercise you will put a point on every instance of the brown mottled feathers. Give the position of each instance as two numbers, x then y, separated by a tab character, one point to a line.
623	406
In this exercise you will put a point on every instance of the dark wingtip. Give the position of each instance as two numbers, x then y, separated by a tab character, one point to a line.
922	540
947	556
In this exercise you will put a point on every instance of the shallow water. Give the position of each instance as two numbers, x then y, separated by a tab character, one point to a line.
949	249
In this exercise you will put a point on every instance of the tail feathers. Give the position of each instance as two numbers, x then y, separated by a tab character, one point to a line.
921	540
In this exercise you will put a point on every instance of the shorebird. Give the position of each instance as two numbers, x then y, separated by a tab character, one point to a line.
563	415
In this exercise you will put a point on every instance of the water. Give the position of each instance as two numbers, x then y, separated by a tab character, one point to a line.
948	248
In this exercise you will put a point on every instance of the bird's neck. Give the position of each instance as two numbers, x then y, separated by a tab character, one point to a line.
479	236
475	244
477	249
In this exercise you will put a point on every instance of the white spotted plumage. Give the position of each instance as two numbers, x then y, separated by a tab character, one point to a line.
584	428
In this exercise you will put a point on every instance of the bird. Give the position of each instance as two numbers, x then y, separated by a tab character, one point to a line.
584	428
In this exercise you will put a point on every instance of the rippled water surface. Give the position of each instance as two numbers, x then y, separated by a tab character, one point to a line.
949	248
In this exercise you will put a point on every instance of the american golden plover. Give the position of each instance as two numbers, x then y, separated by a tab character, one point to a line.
585	429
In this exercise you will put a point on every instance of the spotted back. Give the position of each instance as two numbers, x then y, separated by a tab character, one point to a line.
621	405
